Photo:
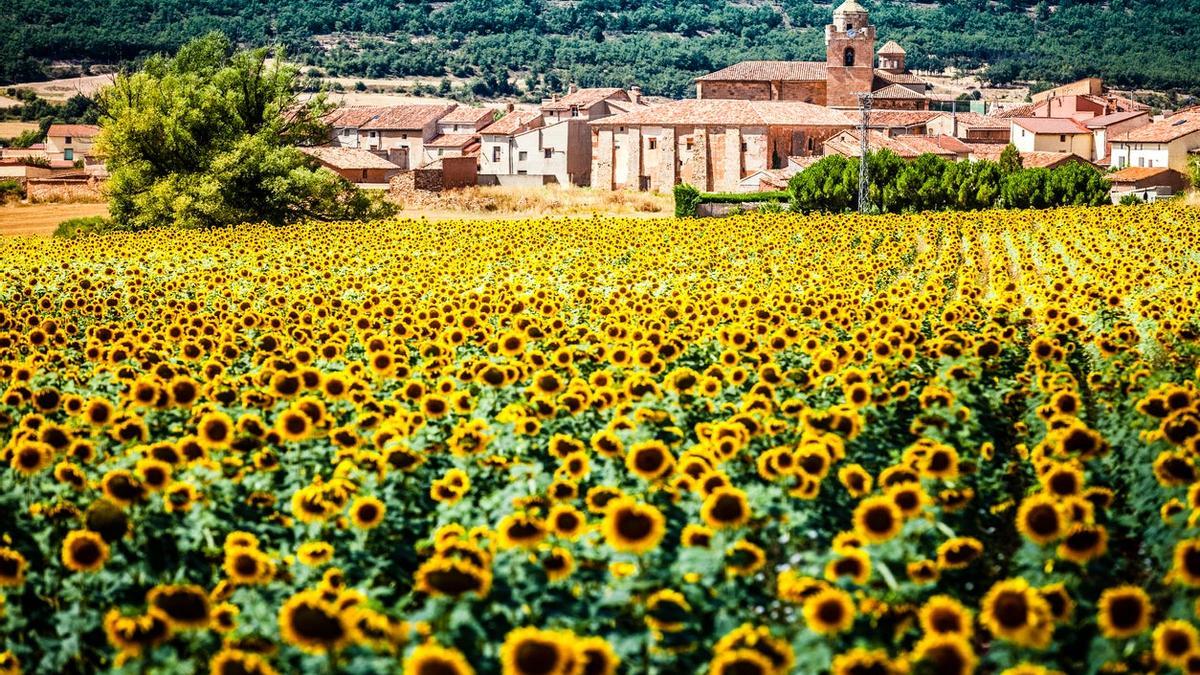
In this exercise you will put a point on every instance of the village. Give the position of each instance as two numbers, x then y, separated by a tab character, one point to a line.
750	128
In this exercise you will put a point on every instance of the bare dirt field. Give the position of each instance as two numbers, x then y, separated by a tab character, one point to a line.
41	219
61	90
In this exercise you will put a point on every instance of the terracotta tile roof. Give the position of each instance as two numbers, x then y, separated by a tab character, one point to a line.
897	91
353	117
892	47
728	112
897	78
1049	160
468	115
514	122
767	71
451	141
348	158
891	119
1114	118
1019	111
848	143
586	98
951	143
1050	125
413	116
74	130
1164	131
1133	174
977	121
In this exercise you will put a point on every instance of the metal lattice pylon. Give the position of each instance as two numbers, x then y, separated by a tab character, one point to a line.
864	171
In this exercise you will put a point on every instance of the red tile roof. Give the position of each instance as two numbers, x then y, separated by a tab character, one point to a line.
467	115
413	116
352	117
74	130
977	121
586	98
848	143
728	112
1164	131
1115	118
451	141
767	71
514	122
1049	160
1050	125
897	91
1133	174
892	119
898	78
348	158
892	47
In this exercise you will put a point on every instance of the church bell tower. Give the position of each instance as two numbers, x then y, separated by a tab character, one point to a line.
849	55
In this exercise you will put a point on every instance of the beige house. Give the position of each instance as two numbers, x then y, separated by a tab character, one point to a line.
552	145
70	142
356	165
1105	127
712	144
972	127
398	132
1050	134
1165	143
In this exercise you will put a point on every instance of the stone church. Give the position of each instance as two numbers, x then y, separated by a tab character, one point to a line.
849	68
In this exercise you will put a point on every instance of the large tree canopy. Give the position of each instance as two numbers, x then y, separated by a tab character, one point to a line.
207	138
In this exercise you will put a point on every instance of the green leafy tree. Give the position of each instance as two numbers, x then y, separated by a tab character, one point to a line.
823	186
1010	160
207	138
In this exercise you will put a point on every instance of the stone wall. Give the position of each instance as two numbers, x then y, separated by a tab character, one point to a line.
741	91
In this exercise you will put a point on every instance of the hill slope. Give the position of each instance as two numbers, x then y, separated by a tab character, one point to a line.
660	45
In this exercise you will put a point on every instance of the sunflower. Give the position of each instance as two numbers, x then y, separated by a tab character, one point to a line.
84	551
315	553
667	611
237	662
725	507
1174	641
1014	611
1059	600
859	661
923	571
567	521
293	425
214	430
1185	568
598	657
431	659
855	479
943	615
9	663
440	576
829	611
12	567
877	519
367	512
853	564
520	529
945	654
558	564
631	526
106	519
958	552
132	634
1123	612
244	565
313	624
183	606
759	639
908	497
740	662
31	457
649	460
224	617
744	558
1040	519
1083	543
533	651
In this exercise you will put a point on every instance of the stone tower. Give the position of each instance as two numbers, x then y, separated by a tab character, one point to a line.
849	55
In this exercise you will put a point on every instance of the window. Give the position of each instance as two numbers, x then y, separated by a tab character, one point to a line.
364	175
652	143
848	57
810	144
1141	161
574	111
403	135
521	172
372	134
522	155
68	140
68	154
690	144
1062	138
496	154
743	146
548	153
440	151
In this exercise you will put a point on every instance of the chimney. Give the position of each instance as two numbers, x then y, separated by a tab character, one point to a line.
635	94
571	88
509	107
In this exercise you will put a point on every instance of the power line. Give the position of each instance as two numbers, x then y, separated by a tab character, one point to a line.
864	172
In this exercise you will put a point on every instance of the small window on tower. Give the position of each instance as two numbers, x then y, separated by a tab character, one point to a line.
848	57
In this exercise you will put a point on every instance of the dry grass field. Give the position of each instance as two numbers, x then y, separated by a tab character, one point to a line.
41	219
14	129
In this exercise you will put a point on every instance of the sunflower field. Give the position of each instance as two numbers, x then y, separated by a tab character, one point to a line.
942	443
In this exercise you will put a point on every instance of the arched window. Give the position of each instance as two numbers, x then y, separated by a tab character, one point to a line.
848	57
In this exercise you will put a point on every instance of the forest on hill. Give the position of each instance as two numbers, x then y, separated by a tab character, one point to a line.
660	45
